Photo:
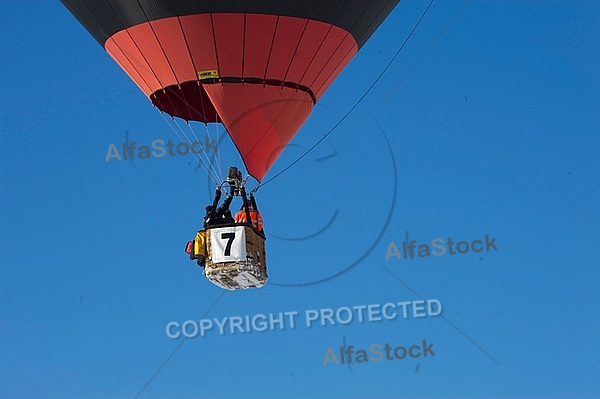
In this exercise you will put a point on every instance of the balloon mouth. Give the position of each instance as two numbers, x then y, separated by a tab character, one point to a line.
187	101
190	102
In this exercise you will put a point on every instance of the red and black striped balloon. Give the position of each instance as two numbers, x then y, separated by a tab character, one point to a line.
257	66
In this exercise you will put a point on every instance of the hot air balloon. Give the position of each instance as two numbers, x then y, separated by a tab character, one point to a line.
256	66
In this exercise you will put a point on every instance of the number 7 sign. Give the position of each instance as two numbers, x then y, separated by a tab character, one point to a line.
228	244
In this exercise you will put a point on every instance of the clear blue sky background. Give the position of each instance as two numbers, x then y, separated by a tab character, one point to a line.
494	131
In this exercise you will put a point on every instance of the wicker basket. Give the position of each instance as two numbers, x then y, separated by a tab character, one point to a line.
241	274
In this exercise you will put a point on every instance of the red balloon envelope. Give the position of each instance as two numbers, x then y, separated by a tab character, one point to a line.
257	66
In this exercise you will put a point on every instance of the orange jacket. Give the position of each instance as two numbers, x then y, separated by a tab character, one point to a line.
257	221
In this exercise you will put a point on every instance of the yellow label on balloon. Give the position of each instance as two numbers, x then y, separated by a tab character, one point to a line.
211	74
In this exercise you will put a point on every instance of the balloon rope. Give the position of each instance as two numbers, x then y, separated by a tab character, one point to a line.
204	151
218	150
206	166
356	104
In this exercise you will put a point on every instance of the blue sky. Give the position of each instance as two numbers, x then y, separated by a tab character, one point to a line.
494	131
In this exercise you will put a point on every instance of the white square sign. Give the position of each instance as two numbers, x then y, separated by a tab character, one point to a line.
228	244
